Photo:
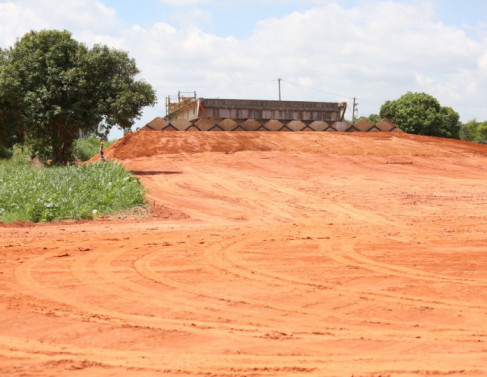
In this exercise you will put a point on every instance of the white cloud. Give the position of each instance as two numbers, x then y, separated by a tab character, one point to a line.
183	2
482	63
89	18
194	17
14	20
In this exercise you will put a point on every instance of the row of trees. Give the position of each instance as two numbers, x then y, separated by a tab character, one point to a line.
474	131
52	86
422	114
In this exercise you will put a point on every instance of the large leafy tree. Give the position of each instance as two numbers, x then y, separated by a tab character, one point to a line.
10	120
421	113
52	86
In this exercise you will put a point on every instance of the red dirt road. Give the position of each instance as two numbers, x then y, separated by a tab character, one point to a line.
269	254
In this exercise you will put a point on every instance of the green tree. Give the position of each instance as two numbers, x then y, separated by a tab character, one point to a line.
52	86
474	131
421	113
10	120
372	118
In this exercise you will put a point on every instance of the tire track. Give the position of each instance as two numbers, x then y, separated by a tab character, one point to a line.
236	365
24	277
226	258
239	264
329	204
348	256
143	265
141	293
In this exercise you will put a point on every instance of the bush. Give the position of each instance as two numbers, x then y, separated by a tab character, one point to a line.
75	192
19	156
5	153
86	148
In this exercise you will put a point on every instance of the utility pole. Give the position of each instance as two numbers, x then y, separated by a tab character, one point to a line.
354	109
279	84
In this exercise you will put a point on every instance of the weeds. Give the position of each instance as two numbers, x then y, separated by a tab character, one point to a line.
74	192
86	148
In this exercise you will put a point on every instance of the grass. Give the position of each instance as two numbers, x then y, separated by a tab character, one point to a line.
73	192
86	148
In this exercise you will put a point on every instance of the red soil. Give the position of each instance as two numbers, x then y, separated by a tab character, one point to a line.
269	254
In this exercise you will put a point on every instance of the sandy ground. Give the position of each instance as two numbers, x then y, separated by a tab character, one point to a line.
268	254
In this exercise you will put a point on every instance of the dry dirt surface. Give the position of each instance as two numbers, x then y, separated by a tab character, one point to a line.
267	254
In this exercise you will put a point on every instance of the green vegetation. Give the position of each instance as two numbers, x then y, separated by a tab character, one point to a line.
15	156
86	148
474	131
52	86
372	118
73	192
421	113
5	153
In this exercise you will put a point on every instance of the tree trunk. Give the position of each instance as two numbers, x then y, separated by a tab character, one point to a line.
62	138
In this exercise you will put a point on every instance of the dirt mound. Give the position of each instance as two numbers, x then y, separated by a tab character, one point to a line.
304	254
152	143
17	224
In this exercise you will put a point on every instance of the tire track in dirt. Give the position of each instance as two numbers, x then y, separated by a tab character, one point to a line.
145	268
99	278
237	265
254	277
24	277
136	292
375	220
329	204
348	256
238	365
171	362
226	258
247	197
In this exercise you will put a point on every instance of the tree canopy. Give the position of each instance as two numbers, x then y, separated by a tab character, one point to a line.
52	86
474	131
421	113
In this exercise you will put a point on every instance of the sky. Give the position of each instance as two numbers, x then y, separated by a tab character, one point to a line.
323	50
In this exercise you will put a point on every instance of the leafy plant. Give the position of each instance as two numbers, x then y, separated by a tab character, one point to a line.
5	153
86	148
74	192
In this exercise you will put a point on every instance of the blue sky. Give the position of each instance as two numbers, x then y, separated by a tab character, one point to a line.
238	18
324	50
224	18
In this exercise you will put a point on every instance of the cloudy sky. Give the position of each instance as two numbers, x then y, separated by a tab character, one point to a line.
324	50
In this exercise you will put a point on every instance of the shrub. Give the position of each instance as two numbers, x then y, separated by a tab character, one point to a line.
74	192
86	148
5	153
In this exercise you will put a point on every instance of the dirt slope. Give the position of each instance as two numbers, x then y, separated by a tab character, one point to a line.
151	143
271	254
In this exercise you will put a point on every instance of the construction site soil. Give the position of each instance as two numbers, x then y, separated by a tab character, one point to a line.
267	254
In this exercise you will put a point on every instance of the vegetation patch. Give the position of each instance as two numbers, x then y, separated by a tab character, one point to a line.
72	192
86	148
